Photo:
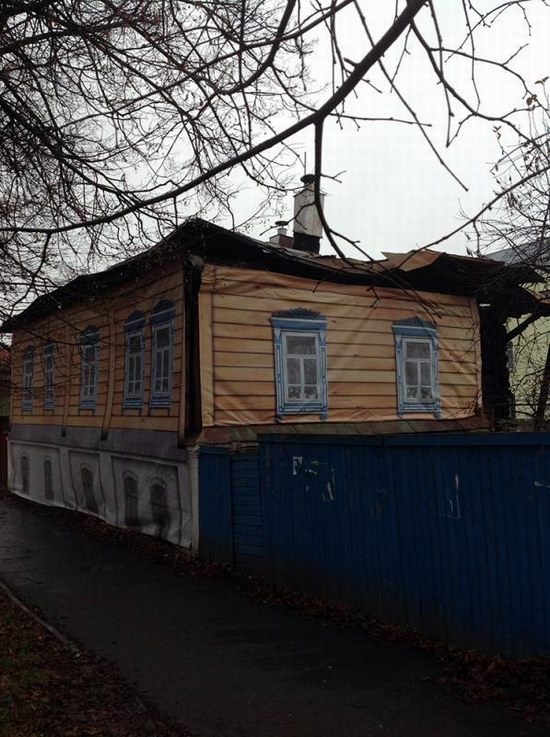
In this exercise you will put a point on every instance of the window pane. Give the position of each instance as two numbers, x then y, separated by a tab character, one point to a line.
425	374
88	489
158	366
48	479
293	369
426	392
412	392
293	391
162	337
417	349
411	373
310	370
134	344
301	345
311	391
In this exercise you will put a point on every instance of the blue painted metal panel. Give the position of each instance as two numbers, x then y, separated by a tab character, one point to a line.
448	534
215	513
246	513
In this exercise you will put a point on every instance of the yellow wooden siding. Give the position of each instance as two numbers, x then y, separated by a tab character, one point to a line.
360	346
108	315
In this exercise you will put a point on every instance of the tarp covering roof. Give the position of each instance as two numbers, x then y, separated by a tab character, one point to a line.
425	270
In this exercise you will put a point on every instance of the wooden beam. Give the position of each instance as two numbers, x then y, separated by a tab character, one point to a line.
206	350
111	375
182	419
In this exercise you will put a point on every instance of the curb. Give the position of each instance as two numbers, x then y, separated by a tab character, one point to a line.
69	644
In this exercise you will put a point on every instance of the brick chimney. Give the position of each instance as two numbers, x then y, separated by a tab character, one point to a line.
281	238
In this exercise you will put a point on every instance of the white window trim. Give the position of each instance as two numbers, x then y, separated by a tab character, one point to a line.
49	368
416	330
134	328
300	322
88	389
27	379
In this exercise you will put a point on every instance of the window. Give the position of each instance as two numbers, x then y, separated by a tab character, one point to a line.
88	489
48	375
25	474
48	479
133	376
416	356
131	515
89	345
300	362
162	326
27	378
159	508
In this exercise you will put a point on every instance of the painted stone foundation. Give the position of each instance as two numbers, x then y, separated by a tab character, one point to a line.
130	481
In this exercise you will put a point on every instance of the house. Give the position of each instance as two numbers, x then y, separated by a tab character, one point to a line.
212	337
528	347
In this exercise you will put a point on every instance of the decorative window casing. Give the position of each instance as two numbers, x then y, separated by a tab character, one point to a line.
87	478
48	356
48	479
27	378
25	474
131	512
416	358
89	356
159	508
134	355
299	338
162	349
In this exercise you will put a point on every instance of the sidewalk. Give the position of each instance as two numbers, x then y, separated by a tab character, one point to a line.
221	664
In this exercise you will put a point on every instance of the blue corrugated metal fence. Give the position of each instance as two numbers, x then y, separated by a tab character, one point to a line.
230	516
447	534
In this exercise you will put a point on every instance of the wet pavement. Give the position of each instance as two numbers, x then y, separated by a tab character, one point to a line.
220	663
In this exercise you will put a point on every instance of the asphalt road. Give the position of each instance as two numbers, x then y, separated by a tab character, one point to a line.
220	663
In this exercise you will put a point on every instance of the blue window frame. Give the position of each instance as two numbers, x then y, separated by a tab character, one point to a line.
162	349
27	378
416	359
133	373
48	375
299	339
89	355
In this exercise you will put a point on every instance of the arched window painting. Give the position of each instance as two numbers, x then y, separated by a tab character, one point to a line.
159	508
25	474
88	489
48	479
131	516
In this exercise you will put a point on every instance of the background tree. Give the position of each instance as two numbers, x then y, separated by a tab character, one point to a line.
516	230
114	112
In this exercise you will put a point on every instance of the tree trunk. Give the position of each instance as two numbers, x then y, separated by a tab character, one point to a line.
543	396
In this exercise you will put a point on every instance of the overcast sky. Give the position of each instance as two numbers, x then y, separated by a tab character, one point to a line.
394	194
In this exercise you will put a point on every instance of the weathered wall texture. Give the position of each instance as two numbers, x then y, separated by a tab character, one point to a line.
238	382
63	483
108	315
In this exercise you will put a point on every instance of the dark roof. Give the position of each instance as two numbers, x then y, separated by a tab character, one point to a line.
535	253
423	270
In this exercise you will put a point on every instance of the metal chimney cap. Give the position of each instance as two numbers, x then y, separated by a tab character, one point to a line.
281	223
308	179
